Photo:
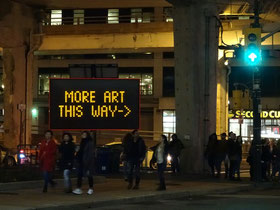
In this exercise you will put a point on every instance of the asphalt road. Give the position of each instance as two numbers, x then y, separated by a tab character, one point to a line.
252	200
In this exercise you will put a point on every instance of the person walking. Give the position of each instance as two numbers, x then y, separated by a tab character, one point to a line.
265	158
127	140
276	161
160	153
67	151
234	154
210	152
135	152
85	157
221	152
47	156
239	159
175	148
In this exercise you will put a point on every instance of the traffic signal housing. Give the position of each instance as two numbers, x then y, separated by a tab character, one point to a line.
252	51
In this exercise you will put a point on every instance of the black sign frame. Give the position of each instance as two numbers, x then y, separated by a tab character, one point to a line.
120	112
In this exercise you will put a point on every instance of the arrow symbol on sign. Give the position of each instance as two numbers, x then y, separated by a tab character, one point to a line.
128	111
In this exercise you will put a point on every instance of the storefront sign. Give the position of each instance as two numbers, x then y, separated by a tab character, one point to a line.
269	114
78	104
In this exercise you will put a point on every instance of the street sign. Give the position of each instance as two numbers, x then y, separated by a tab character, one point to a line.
91	104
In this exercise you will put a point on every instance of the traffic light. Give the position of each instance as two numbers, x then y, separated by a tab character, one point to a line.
252	46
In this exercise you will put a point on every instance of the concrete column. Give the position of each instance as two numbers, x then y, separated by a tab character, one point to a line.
158	11
14	65
196	42
158	74
222	98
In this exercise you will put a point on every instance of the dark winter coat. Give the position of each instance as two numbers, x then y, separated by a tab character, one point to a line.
266	154
86	155
67	151
135	151
175	147
234	150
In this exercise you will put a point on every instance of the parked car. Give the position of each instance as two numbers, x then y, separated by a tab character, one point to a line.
7	158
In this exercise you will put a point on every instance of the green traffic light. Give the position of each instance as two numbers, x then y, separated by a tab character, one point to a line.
253	57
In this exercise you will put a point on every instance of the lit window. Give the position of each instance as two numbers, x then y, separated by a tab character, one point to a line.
136	15
169	121
44	82
113	16
56	17
79	17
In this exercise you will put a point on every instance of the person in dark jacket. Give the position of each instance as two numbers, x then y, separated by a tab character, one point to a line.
210	152
221	152
276	160
266	158
161	152
175	148
85	157
239	160
234	152
67	151
135	152
127	139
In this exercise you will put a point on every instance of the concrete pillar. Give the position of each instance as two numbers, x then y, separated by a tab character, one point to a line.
158	123
196	42
222	98
158	74
14	65
18	24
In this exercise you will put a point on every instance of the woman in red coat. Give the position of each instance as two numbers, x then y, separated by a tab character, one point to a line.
47	158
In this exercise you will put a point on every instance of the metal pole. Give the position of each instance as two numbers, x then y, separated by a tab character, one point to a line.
257	144
256	23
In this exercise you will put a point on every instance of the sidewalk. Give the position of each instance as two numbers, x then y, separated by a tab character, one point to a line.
114	191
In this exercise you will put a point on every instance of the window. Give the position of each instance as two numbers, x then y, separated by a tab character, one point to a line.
168	14
146	81
56	17
44	77
136	15
168	82
79	17
169	121
139	15
113	16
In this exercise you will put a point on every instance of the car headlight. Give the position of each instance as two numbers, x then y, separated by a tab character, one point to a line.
169	158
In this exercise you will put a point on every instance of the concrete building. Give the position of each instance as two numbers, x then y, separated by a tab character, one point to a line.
47	39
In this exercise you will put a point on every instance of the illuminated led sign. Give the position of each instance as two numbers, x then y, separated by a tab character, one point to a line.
82	104
270	114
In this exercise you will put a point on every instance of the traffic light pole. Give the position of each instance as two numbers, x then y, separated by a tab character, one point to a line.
257	144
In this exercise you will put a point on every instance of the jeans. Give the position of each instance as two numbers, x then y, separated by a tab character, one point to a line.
134	165
276	168
47	179
80	178
125	169
161	168
232	168
67	180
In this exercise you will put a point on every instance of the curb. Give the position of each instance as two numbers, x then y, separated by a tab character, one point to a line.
39	183
156	196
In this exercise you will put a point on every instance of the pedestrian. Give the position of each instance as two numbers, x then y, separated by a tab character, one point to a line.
234	153
221	151
270	163
85	158
135	154
239	159
67	151
127	139
210	152
265	158
276	161
47	157
160	153
175	147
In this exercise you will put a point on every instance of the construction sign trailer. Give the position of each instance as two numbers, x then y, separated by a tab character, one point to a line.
91	104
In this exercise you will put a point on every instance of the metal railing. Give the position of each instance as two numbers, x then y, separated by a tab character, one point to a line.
106	19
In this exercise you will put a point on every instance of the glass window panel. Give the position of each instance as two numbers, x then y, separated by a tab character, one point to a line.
56	17
136	15
113	16
79	17
124	76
